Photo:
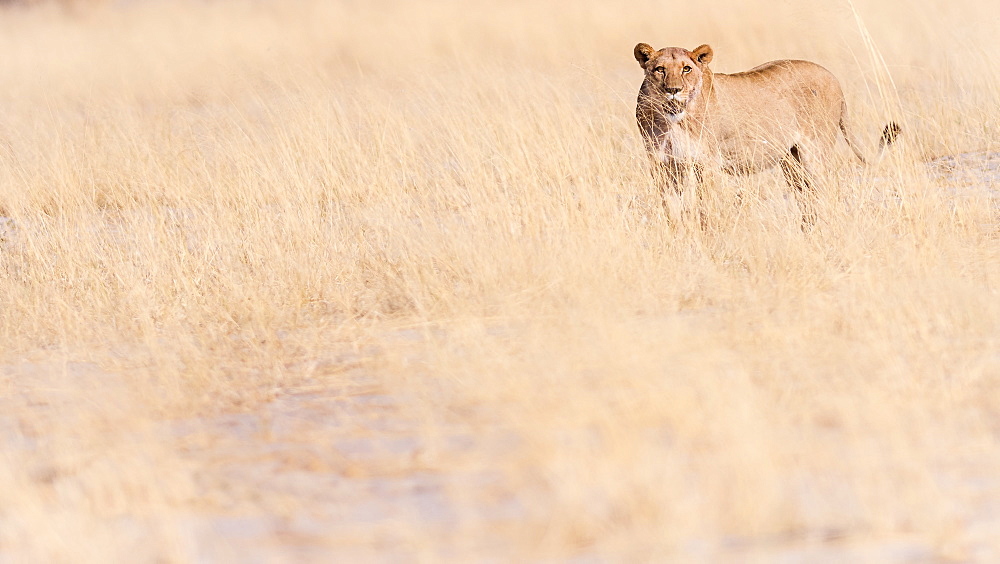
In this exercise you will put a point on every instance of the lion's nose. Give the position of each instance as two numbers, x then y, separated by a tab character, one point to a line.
672	90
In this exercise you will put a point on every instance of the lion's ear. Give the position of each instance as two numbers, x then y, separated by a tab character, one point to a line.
642	53
703	54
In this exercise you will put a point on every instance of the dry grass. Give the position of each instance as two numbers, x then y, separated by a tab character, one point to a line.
306	279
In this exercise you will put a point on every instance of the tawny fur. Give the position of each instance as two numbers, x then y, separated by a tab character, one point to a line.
787	113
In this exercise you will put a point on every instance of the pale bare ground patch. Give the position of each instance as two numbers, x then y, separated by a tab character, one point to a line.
319	280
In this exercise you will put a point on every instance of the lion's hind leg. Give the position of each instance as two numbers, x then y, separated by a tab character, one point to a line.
795	167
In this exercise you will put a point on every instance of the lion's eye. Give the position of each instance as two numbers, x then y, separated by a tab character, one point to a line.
659	70
686	69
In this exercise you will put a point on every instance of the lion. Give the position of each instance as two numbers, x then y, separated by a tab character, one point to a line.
787	112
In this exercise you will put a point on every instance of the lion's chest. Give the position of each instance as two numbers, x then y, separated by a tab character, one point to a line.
677	143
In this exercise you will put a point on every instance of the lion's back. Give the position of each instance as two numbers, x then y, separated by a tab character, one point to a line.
787	75
809	93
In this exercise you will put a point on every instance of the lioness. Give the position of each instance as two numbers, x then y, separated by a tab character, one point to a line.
782	112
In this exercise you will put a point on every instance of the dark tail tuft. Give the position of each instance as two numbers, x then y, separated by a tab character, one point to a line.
889	134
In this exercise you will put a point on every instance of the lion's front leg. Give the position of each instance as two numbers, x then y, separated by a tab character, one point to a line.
669	177
681	197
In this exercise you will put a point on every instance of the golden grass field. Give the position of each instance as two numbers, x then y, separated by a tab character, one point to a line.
340	281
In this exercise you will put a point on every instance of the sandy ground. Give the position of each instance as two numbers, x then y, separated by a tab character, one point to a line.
333	470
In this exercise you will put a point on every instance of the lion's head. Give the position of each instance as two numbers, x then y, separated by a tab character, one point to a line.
674	76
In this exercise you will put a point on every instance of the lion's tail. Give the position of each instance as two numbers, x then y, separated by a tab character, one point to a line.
890	133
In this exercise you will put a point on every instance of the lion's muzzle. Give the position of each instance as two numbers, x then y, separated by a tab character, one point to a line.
673	101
